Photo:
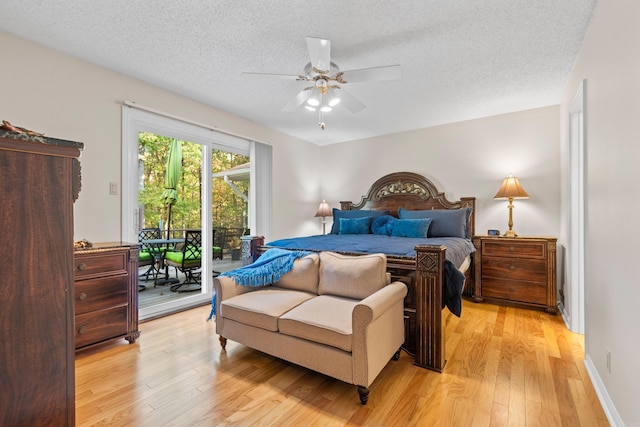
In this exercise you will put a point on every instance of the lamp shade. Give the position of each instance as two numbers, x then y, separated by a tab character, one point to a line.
511	189
324	209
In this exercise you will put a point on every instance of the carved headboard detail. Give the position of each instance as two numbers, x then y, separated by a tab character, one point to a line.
410	191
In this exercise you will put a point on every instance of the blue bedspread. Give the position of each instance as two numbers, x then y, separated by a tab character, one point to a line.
457	248
457	251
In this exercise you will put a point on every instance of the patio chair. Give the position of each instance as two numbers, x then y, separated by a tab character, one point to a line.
187	260
219	239
146	255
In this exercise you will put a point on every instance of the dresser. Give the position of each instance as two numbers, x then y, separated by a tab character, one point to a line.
39	180
106	293
518	270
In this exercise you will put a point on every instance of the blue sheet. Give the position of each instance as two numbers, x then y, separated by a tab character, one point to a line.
457	248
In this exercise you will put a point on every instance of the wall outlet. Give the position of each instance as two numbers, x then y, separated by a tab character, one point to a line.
113	188
608	361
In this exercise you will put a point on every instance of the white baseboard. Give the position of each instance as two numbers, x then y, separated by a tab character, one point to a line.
607	404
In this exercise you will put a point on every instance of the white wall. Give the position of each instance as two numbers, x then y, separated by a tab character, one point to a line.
67	98
610	62
464	159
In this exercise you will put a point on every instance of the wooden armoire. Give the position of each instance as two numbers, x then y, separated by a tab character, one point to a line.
39	180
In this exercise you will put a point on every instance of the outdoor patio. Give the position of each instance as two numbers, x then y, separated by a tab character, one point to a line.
151	295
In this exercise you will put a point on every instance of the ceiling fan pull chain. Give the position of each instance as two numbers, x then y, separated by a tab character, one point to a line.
320	120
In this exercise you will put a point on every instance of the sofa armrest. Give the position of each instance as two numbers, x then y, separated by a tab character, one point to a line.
378	331
378	303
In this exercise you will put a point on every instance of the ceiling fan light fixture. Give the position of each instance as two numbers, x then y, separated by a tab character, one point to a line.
313	101
332	98
324	79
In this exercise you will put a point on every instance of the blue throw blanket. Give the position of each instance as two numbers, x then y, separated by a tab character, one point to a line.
269	268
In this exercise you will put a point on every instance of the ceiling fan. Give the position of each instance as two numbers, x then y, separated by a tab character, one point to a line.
326	81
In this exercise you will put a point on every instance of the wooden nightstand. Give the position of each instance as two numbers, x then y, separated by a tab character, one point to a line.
519	270
106	293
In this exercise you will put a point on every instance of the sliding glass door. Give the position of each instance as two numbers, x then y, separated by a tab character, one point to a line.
208	196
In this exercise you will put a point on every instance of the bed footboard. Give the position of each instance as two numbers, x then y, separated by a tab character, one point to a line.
429	331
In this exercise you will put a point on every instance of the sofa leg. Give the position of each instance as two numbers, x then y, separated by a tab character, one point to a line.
223	342
363	392
396	356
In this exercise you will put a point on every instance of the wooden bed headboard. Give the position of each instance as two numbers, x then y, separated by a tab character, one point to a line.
410	191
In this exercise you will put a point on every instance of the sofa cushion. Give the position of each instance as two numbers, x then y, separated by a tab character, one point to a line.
351	276
304	276
262	308
325	319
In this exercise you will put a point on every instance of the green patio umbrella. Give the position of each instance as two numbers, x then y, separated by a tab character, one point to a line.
171	178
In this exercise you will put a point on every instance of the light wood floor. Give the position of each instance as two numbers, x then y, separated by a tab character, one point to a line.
506	367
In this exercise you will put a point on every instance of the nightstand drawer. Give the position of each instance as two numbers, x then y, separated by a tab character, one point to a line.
100	325
514	248
534	270
87	265
99	294
529	292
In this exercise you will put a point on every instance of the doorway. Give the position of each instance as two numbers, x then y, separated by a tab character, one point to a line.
574	303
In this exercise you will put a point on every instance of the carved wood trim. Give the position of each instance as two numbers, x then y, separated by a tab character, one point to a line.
76	174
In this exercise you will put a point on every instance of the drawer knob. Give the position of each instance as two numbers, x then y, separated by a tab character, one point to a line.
82	296
82	267
511	249
512	267
82	330
512	289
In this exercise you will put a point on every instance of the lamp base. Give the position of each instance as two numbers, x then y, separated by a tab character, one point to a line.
510	233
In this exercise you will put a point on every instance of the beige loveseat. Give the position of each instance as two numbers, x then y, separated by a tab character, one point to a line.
334	314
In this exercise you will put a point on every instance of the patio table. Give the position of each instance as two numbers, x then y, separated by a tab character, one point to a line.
157	246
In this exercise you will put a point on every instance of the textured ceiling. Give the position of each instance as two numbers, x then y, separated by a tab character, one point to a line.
461	59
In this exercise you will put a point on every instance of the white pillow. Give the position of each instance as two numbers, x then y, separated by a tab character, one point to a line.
355	277
304	276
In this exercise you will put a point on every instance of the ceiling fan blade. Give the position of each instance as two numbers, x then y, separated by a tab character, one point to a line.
320	53
276	76
388	72
350	102
296	102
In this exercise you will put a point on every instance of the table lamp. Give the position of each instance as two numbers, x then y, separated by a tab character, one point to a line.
511	189
324	210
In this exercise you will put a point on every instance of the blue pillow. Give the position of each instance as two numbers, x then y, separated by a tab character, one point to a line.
355	225
383	225
418	228
444	222
337	214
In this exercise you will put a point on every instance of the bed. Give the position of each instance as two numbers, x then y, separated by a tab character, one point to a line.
429	267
